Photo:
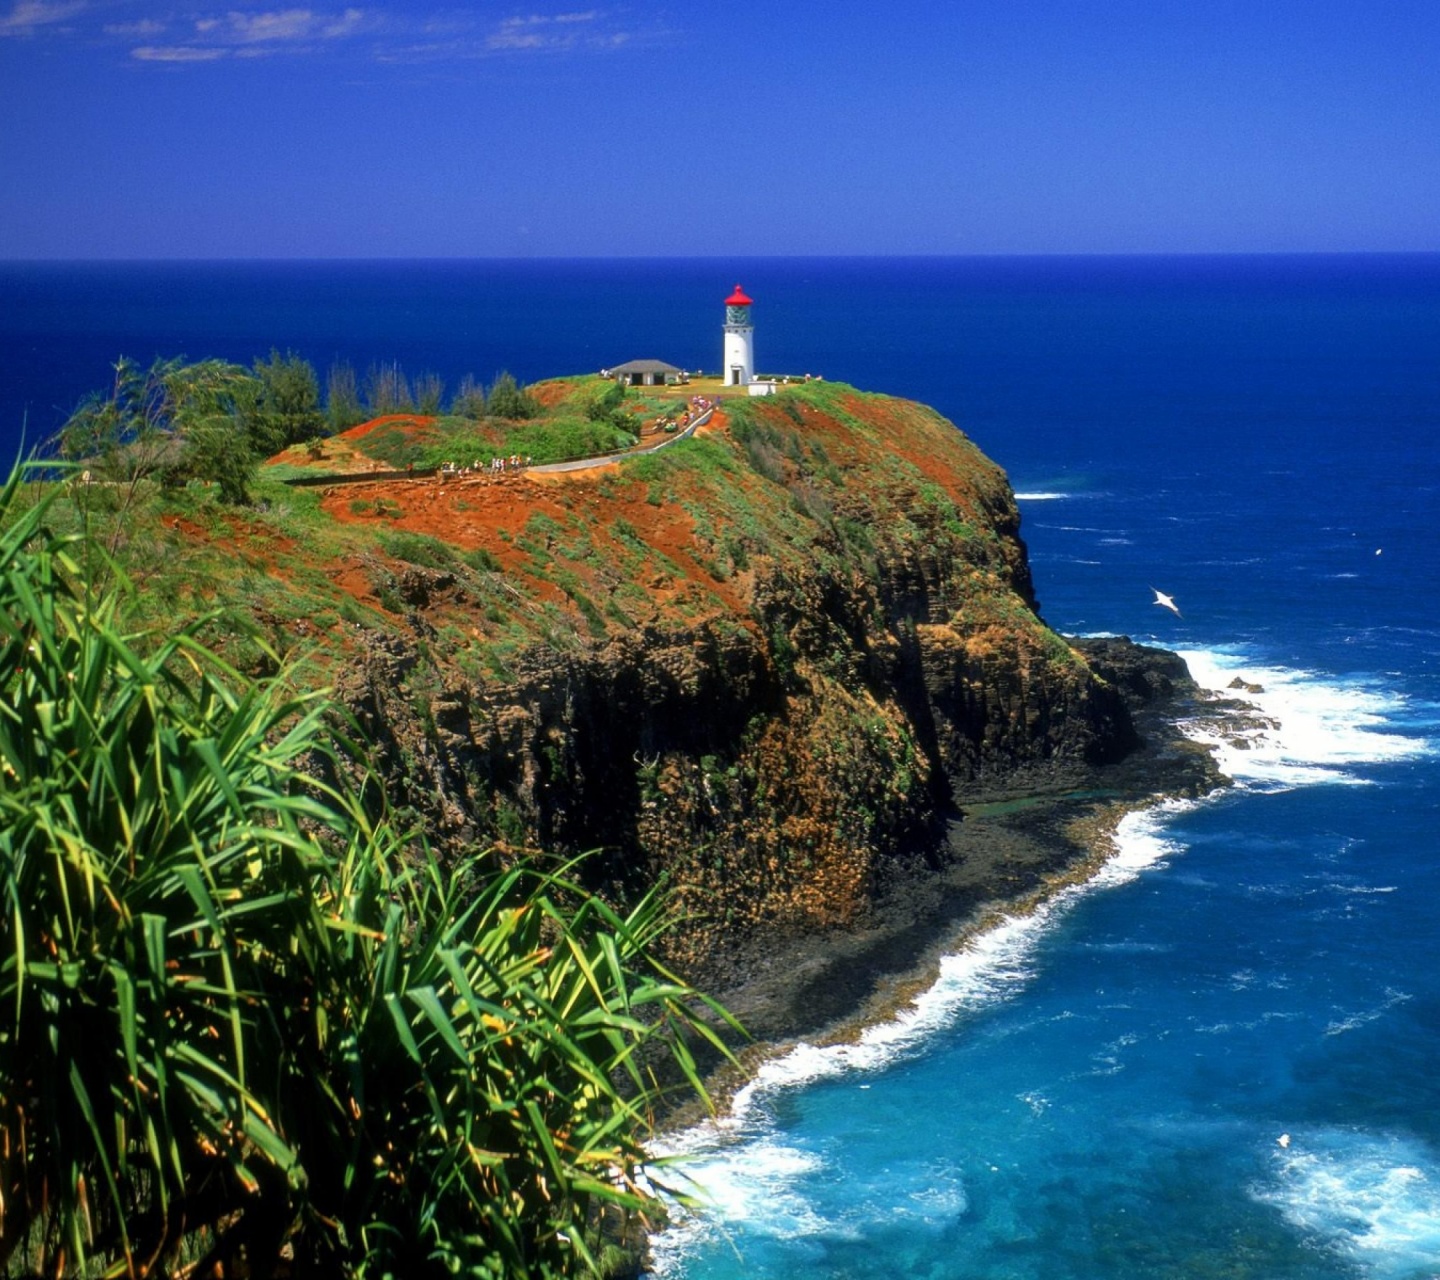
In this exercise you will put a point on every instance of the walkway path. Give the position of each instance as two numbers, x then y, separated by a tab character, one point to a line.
583	464
576	464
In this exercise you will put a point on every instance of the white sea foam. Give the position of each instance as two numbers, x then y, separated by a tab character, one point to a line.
1304	729
1042	497
1372	1199
755	1192
991	966
749	1177
760	1188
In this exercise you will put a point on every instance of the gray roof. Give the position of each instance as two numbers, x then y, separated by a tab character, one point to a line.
645	366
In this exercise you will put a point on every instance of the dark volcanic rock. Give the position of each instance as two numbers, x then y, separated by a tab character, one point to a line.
804	740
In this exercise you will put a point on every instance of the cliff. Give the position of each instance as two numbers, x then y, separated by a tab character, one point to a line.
772	665
793	666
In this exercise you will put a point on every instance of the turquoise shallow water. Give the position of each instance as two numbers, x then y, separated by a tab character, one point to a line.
1218	1059
1214	1060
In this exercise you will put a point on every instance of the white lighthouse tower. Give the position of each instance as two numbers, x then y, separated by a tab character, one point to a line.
739	367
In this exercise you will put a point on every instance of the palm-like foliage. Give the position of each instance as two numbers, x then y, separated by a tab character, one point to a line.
241	1019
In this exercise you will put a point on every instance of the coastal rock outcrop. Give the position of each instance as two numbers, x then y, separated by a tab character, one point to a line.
772	667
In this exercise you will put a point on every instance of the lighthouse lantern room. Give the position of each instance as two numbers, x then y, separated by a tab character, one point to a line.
739	366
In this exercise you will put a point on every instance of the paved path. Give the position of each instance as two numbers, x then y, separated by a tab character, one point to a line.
577	464
584	464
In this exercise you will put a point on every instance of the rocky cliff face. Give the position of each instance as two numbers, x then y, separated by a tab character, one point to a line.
764	665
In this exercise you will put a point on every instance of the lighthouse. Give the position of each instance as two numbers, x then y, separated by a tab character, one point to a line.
739	364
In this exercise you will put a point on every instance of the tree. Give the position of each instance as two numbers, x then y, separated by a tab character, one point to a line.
342	398
387	390
170	422
505	399
126	432
286	405
429	393
469	401
218	451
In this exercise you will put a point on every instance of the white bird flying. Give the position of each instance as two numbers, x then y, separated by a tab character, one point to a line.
1167	602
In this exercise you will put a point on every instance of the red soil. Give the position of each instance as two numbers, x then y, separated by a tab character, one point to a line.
482	511
363	429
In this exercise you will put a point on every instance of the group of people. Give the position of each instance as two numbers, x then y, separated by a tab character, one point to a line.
698	406
497	465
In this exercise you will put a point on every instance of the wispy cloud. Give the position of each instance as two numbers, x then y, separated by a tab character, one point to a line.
176	53
134	30
450	39
26	17
258	33
281	25
553	31
372	34
349	23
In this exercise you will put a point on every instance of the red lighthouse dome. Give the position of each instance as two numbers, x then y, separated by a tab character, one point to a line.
738	298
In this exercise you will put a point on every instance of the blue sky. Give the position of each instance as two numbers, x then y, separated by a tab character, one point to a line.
705	128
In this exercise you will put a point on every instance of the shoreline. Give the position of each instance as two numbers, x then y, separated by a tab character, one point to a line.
1006	853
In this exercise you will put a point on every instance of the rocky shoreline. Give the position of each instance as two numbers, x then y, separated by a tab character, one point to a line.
1005	847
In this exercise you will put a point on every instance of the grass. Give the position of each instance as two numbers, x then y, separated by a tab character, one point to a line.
417	548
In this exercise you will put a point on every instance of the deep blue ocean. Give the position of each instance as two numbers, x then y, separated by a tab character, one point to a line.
1222	1057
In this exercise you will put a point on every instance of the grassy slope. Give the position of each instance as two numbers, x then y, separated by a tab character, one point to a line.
818	474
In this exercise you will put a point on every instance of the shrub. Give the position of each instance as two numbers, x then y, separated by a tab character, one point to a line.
481	560
560	438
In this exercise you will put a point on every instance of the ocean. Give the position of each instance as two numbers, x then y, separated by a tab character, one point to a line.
1217	1059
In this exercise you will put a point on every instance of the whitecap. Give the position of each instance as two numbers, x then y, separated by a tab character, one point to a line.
1042	497
1339	1026
1372	1199
1128	948
758	1195
1302	728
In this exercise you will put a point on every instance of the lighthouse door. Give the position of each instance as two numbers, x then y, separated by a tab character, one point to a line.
735	374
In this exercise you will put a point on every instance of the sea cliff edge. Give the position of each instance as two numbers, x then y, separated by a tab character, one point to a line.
792	668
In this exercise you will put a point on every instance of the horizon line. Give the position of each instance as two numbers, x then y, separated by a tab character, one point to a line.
732	257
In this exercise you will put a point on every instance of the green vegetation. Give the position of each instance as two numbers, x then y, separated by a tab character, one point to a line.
210	421
417	548
506	400
244	1016
285	404
214	422
565	437
556	436
172	422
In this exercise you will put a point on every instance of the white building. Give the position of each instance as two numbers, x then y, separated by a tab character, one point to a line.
738	368
739	362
